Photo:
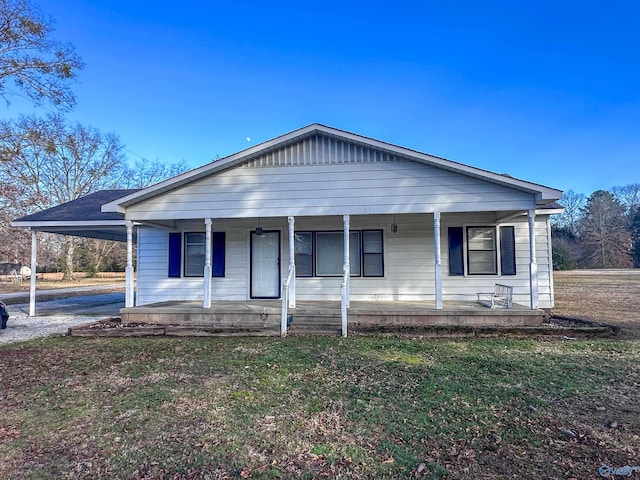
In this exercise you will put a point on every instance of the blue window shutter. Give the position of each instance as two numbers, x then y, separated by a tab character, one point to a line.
456	252
175	253
217	269
507	251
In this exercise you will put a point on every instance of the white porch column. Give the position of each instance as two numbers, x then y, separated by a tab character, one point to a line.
206	303
292	261
347	262
533	264
438	259
345	291
128	302
34	264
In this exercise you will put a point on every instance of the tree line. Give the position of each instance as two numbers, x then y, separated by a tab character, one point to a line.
598	231
48	160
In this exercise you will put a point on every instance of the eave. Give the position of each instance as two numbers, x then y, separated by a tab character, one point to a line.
542	193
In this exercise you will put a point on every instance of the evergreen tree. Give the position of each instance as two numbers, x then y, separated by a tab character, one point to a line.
606	241
635	237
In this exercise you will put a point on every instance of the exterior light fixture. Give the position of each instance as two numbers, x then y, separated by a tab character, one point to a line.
394	226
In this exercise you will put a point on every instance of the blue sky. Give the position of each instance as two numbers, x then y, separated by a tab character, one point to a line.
547	91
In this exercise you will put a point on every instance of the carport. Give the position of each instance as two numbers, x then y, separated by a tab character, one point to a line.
82	218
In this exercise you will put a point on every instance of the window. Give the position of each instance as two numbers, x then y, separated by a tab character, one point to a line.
482	250
321	254
330	253
304	254
194	254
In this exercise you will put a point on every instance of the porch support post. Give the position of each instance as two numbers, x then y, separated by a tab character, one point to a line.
206	303
34	264
346	277
292	261
129	270
533	264
438	259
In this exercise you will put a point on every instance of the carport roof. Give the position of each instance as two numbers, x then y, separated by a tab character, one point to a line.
81	218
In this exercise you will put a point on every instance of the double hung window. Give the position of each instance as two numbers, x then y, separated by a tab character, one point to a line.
489	250
482	256
191	260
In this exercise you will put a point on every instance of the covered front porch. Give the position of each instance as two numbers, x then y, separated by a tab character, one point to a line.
264	317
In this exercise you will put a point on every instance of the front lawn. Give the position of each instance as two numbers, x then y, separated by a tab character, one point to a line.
362	407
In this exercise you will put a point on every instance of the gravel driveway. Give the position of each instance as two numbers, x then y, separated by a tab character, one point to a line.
22	327
55	316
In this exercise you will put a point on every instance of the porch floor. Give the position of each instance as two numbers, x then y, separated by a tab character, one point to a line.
262	317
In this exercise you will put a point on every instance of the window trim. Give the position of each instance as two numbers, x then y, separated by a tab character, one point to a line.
497	227
185	235
360	232
183	255
495	250
341	232
313	255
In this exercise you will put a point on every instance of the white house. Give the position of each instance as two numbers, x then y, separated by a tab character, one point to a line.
323	214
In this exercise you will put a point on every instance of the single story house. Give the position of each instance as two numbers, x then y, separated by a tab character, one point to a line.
321	214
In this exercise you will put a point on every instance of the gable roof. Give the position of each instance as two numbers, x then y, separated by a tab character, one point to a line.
543	194
82	217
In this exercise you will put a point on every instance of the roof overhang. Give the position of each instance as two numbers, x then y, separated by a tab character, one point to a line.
103	230
81	217
542	194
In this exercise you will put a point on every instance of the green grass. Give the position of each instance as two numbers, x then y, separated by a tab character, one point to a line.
362	407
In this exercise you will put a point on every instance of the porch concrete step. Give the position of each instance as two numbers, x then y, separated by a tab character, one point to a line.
313	324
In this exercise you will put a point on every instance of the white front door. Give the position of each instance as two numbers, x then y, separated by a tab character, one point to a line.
265	265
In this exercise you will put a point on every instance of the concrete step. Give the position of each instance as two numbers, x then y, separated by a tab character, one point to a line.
306	324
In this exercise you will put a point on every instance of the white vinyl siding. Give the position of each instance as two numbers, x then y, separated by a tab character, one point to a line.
457	288
408	262
401	186
154	285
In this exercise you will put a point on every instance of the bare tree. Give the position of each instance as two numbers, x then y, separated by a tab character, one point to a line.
628	196
54	162
147	172
573	204
38	65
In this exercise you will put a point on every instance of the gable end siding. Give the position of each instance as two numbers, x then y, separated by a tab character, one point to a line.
320	150
400	186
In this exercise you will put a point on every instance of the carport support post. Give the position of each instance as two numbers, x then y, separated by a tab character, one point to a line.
32	285
207	264
438	259
533	264
128	301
